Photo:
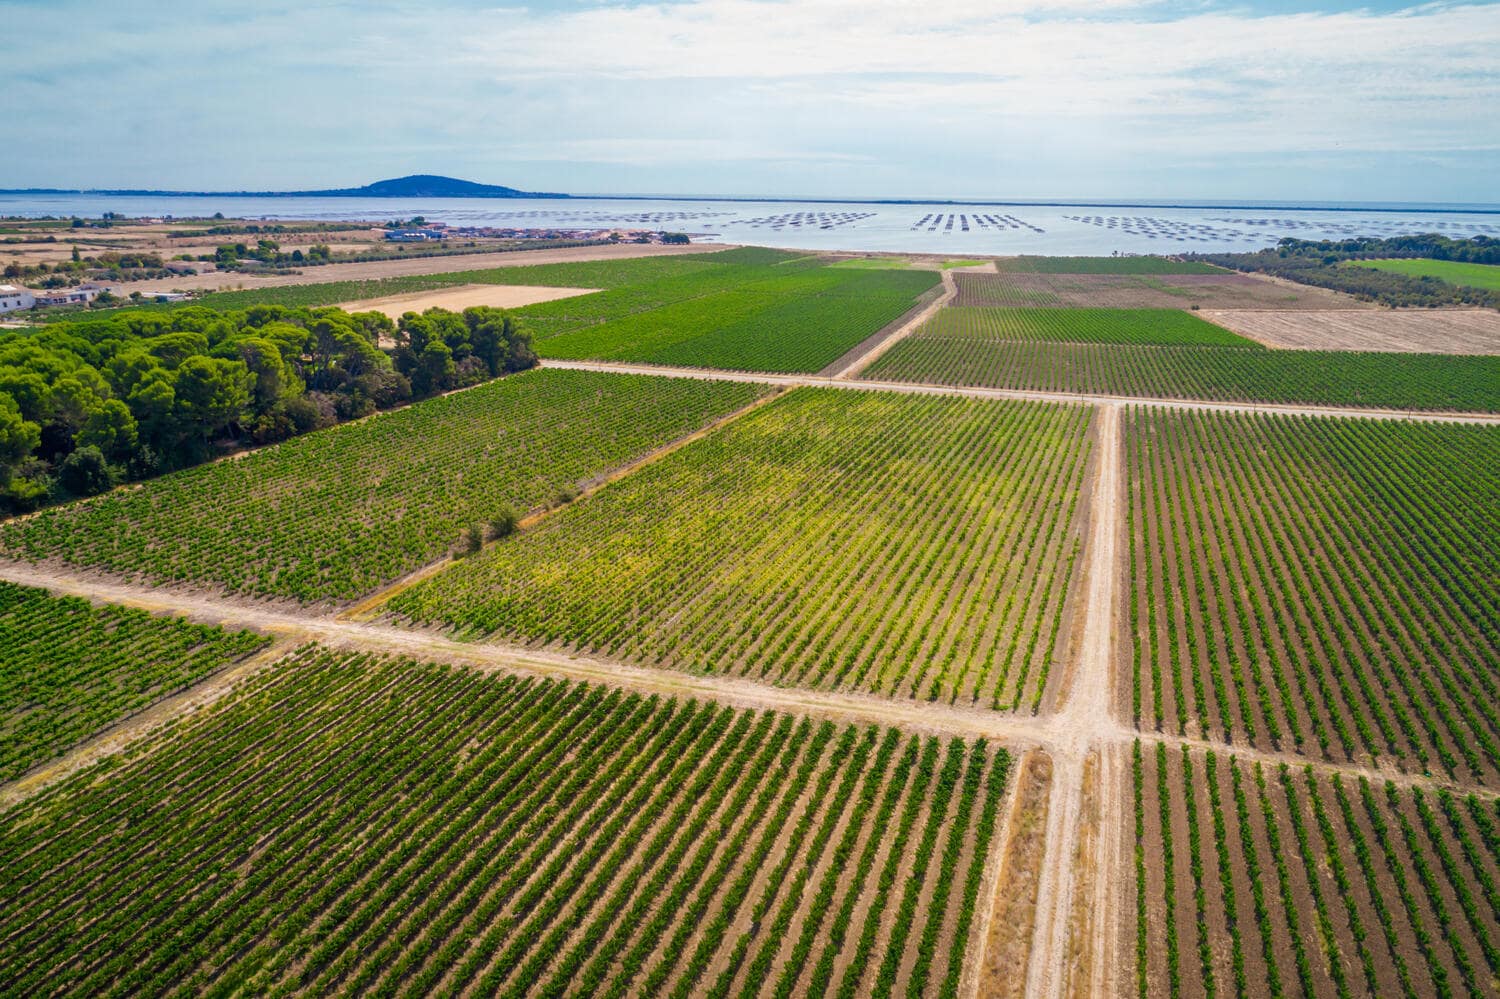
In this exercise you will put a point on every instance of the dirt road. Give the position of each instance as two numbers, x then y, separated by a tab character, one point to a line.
913	388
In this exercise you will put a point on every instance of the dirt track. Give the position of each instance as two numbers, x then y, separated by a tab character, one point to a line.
915	388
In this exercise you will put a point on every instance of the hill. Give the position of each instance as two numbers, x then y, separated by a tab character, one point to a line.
415	186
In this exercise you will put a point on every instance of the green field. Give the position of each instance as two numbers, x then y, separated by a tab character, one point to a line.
1382	532
1101	265
1486	276
873	264
908	545
802	320
1259	880
352	825
68	669
1329	378
1163	327
750	309
334	514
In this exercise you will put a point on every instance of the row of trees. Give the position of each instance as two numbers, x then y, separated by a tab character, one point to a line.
1318	263
87	404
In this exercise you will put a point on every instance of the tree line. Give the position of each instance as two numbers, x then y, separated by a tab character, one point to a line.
1319	263
85	405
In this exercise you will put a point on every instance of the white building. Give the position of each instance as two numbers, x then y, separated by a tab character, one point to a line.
14	299
81	295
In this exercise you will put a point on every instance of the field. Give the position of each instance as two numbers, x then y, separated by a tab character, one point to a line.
332	515
357	825
1265	880
1219	290
1317	585
68	669
1101	265
1162	327
463	296
800	319
1438	331
603	272
1486	276
910	546
1329	378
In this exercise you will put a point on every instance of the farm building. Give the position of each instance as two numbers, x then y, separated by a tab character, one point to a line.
14	299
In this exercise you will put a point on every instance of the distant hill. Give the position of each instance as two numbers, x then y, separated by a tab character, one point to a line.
420	185
424	185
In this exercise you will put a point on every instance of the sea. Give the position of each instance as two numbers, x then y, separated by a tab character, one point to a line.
1001	228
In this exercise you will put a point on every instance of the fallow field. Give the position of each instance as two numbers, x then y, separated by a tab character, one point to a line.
911	546
330	516
356	825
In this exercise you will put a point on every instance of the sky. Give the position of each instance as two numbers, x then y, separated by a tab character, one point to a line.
997	99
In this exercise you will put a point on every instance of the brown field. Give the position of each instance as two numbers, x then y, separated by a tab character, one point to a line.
1264	879
463	296
1144	291
1438	331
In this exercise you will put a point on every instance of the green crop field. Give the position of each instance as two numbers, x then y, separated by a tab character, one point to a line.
1102	265
1322	585
714	267
802	320
1164	327
1261	880
351	825
332	515
68	669
910	545
1331	378
1486	276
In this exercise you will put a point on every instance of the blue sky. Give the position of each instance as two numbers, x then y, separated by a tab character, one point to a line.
834	98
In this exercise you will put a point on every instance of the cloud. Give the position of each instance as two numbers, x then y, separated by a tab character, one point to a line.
760	96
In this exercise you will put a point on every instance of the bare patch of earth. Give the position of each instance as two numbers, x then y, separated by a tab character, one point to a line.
1436	331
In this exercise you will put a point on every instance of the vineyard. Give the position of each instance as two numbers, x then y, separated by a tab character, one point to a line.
1329	378
1101	265
1162	327
915	546
1220	290
347	824
800	320
67	668
1317	585
332	515
1262	880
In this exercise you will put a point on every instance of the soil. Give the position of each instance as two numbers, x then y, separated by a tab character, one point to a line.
463	296
1012	922
1434	331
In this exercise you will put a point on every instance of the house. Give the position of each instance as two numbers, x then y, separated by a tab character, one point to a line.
169	296
14	299
81	295
415	235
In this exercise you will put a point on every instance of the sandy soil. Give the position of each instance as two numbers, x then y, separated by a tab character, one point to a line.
463	296
1441	331
1008	927
374	270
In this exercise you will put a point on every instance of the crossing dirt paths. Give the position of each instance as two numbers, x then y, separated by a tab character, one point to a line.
918	388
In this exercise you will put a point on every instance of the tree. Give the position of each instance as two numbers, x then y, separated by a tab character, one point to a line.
18	436
112	430
211	394
85	472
